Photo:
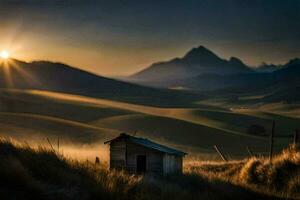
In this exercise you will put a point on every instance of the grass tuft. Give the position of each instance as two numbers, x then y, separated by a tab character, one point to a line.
280	178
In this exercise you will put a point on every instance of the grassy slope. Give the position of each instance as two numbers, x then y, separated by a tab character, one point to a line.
36	102
83	119
281	177
43	75
26	173
37	127
176	124
192	137
286	115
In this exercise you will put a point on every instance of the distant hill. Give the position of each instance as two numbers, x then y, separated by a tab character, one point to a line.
196	62
268	67
44	75
280	85
272	67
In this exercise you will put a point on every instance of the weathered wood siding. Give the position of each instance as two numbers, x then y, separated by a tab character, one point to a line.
172	164
118	154
154	159
123	155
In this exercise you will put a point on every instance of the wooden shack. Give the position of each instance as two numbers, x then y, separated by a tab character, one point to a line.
139	156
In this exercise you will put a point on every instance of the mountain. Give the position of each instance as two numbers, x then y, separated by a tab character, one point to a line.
280	85
287	74
268	68
196	62
272	67
58	77
230	76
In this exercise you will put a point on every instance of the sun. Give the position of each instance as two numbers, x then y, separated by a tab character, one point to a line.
5	54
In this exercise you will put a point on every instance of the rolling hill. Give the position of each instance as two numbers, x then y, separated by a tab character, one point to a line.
44	75
34	115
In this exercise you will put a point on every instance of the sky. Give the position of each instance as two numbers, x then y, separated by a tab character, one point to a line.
118	38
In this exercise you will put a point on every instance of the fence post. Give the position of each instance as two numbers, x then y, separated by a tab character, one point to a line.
272	140
97	161
249	151
220	153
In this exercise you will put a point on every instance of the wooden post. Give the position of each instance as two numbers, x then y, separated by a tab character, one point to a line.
97	161
134	134
296	137
272	140
220	153
249	151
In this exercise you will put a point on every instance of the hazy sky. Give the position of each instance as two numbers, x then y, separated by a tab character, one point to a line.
120	37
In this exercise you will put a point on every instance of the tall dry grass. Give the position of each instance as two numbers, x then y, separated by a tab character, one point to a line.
281	177
27	173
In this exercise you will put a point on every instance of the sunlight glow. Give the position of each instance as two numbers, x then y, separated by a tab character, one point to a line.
10	66
4	54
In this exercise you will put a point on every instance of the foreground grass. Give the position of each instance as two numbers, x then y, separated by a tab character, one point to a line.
27	173
280	178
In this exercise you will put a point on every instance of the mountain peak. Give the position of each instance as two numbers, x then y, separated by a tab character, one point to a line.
295	61
200	48
236	61
198	60
199	52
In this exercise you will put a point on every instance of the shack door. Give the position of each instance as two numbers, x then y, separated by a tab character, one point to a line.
141	164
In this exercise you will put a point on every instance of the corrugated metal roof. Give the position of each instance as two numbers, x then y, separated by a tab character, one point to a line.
149	144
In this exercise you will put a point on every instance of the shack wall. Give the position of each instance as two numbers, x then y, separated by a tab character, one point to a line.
118	154
154	159
172	164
